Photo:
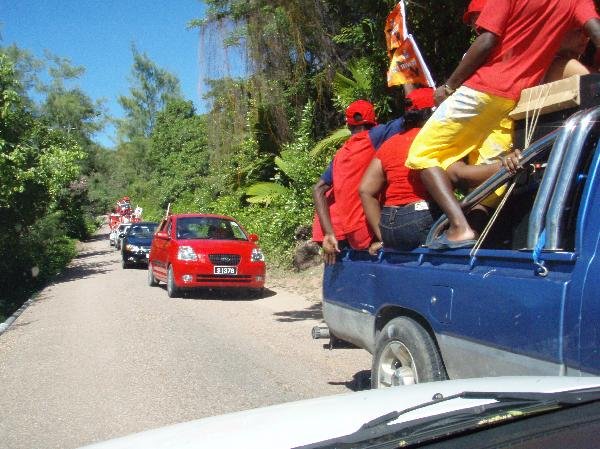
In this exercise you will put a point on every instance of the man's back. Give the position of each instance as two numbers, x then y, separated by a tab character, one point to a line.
530	33
349	165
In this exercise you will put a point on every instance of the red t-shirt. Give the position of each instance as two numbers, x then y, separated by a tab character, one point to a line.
530	34
349	165
403	185
335	217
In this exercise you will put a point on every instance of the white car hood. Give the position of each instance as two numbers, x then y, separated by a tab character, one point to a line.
304	422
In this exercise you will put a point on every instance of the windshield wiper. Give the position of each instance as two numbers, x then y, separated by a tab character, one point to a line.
509	406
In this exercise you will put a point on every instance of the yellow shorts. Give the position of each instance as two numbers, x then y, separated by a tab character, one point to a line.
468	123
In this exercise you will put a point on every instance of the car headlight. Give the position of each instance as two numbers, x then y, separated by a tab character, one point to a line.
186	253
132	248
257	255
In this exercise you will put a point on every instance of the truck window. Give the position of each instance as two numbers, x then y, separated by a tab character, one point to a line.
509	231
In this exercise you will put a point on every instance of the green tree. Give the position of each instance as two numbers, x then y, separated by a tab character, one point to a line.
37	166
151	89
177	156
124	172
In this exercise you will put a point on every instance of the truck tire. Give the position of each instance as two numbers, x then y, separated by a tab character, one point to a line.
172	290
405	354
152	281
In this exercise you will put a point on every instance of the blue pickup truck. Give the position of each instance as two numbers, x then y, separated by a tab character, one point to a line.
523	301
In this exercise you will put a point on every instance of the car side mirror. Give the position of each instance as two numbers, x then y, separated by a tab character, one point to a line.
253	238
162	235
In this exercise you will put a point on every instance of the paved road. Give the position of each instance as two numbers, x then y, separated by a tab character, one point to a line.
100	355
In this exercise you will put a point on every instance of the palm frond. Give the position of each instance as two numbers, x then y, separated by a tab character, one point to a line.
283	165
342	82
265	192
361	75
335	139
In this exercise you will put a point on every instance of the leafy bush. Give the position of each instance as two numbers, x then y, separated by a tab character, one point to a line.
42	197
37	254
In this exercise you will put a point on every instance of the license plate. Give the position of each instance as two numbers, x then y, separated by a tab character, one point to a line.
225	270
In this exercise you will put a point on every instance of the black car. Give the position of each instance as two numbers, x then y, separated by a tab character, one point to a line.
136	243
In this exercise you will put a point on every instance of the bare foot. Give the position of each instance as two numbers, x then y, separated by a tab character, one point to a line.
458	233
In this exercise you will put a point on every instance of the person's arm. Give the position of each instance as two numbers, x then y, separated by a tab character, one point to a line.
563	67
330	243
372	184
475	57
380	133
465	175
592	29
473	175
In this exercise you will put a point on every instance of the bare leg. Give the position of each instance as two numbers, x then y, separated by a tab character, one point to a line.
440	188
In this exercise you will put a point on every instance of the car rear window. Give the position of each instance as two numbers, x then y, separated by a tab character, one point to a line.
142	231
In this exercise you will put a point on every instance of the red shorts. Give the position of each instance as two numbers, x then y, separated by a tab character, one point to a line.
360	239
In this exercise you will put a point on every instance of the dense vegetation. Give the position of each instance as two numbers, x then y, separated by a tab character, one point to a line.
271	125
45	154
269	131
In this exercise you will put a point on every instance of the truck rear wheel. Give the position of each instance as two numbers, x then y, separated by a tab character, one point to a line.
405	354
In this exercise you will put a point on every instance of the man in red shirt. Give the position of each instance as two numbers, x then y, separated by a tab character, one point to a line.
346	221
404	221
517	43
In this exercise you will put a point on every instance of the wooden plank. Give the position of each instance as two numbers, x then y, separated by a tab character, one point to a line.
549	97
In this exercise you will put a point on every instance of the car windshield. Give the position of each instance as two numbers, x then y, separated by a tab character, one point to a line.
506	408
210	228
145	230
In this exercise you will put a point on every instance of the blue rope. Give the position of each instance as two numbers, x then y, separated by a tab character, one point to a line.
537	250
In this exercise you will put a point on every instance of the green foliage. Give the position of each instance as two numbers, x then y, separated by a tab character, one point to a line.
439	32
40	168
361	85
265	139
37	253
265	192
152	88
268	138
333	141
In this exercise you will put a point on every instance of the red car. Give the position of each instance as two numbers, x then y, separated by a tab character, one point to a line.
205	250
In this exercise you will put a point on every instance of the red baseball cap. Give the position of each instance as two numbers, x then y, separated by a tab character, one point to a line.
360	112
421	98
474	7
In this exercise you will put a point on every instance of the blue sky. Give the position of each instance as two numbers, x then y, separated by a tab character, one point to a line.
98	35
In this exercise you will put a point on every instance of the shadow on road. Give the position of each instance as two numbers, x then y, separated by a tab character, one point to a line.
97	238
82	271
360	381
233	294
312	313
85	254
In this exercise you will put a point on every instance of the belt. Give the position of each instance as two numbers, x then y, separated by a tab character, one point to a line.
417	205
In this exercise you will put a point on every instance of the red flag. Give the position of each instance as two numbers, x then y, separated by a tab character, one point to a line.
395	28
408	67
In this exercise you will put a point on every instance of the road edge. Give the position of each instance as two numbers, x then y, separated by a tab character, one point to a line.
11	319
